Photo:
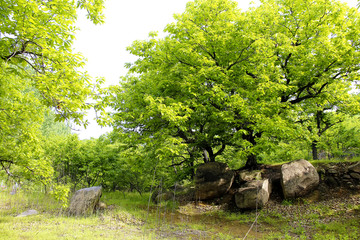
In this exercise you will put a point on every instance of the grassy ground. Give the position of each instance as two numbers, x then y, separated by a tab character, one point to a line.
130	216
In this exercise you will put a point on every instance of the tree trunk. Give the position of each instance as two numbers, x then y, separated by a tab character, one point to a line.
314	150
205	156
251	162
192	170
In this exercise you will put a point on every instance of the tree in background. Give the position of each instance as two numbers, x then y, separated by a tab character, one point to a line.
321	115
38	71
342	141
222	78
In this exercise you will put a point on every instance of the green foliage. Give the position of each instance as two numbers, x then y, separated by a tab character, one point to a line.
137	167
287	203
61	194
225	79
51	128
38	72
343	139
77	163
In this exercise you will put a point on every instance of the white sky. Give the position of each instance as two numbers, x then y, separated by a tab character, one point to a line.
104	45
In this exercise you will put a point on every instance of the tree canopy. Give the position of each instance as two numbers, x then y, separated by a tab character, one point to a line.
224	78
38	71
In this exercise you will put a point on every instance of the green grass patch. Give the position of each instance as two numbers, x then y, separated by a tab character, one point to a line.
318	162
346	229
131	216
333	160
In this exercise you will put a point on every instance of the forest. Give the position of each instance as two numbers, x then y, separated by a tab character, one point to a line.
273	84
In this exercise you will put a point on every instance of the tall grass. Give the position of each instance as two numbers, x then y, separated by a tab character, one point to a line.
15	203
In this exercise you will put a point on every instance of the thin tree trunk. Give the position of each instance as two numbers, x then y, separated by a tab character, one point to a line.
314	150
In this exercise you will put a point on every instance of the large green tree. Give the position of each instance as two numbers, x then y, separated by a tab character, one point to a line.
38	71
222	77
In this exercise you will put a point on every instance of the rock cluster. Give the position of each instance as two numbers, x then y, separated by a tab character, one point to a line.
252	189
297	178
336	176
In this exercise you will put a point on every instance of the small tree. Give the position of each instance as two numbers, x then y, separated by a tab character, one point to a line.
39	70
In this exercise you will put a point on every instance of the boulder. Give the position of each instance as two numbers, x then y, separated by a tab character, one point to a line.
85	201
101	206
186	195
178	193
254	194
212	180
247	176
355	168
298	178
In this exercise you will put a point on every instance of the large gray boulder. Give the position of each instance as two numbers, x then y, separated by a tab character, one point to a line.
298	178
85	201
254	194
212	180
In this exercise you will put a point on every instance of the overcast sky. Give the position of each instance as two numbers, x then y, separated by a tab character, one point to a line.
104	45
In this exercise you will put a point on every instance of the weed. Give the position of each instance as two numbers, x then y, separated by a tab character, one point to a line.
131	216
287	202
333	160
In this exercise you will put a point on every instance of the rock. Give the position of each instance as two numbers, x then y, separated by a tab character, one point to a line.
313	197
212	180
332	171
253	195
227	199
355	168
180	194
28	213
186	195
247	176
85	201
265	184
164	197
101	206
298	178
355	175
331	181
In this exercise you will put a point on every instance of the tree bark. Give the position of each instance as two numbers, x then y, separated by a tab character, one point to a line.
251	162
314	150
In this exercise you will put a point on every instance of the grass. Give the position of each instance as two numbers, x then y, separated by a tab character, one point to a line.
131	216
333	160
317	162
52	221
338	230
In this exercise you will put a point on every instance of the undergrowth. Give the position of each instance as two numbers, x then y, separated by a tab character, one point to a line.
131	216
